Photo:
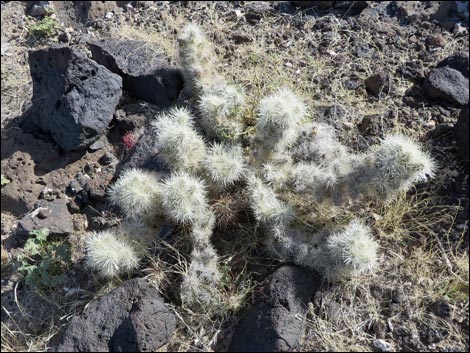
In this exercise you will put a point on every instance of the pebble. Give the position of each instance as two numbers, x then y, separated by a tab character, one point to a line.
382	346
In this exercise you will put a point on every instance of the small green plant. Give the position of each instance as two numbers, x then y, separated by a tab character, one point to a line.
5	180
44	28
44	261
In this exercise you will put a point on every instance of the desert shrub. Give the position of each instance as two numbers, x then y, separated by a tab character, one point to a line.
44	261
44	28
291	160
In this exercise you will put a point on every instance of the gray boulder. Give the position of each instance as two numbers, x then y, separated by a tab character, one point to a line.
272	324
447	84
74	98
146	74
131	318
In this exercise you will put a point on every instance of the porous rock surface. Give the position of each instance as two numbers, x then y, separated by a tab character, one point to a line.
146	74
131	318
276	320
447	84
81	97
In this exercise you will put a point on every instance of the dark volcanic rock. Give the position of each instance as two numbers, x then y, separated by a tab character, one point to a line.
378	83
447	84
319	4
53	215
272	324
462	136
81	97
147	75
131	318
458	61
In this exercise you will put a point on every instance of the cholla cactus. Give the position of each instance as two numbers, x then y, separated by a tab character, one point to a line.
224	164
394	166
135	192
110	255
266	206
221	112
184	199
177	141
198	60
278	124
350	252
298	168
200	284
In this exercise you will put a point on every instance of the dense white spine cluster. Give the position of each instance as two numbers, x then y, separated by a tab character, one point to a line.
197	59
184	199
177	141
279	118
394	166
350	252
136	194
267	208
221	111
110	255
224	164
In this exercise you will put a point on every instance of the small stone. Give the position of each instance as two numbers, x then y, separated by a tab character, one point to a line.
44	213
370	125
379	83
74	187
43	8
352	84
240	38
442	309
108	159
439	130
102	142
437	41
381	346
54	216
64	37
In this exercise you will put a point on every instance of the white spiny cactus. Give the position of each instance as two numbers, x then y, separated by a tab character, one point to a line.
110	255
184	199
351	251
293	160
392	167
277	126
266	206
221	112
198	60
177	140
224	164
136	194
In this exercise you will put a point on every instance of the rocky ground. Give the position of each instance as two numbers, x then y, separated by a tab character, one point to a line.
367	68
